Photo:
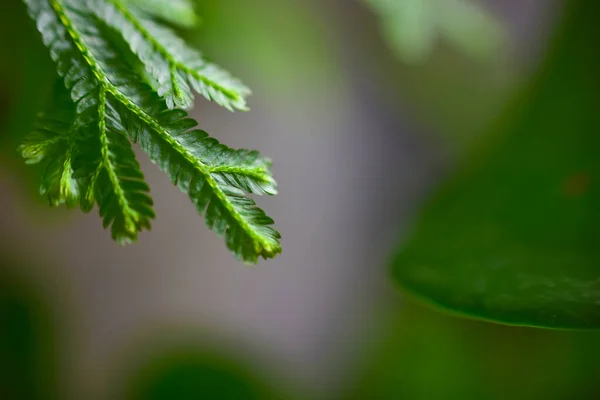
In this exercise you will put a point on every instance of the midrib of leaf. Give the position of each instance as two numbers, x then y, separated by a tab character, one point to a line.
257	173
107	87
65	188
66	176
130	215
204	169
54	140
173	62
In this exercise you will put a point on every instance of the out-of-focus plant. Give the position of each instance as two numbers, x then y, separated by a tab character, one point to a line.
514	237
29	366
422	354
190	372
413	27
178	12
126	77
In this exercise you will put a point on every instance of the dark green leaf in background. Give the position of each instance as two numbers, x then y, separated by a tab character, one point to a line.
28	340
426	355
189	373
515	236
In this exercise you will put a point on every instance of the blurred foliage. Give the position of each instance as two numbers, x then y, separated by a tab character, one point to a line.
24	84
188	373
290	34
176	12
424	355
24	80
28	362
412	27
451	94
515	236
30	356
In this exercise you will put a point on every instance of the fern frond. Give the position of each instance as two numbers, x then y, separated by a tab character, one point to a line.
113	103
107	162
176	67
177	12
121	192
52	143
214	176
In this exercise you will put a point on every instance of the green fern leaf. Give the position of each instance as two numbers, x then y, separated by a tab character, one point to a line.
117	183
53	143
121	191
112	103
214	176
176	67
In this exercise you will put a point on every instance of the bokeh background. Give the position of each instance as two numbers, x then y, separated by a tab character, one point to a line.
361	129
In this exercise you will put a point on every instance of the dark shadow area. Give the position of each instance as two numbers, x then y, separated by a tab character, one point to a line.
193	372
28	349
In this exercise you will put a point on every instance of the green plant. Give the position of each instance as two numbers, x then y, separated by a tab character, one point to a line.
412	27
126	77
514	237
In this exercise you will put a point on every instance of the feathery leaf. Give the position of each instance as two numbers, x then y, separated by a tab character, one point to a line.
53	143
107	161
177	68
112	103
214	176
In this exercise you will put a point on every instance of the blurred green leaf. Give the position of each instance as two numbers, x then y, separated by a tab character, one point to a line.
271	30
28	352
184	373
412	27
515	236
176	12
25	74
425	355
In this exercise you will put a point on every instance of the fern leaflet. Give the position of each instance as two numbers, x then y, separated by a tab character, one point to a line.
177	68
53	143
